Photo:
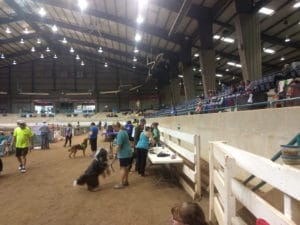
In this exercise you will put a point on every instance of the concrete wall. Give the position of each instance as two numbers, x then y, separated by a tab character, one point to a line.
258	131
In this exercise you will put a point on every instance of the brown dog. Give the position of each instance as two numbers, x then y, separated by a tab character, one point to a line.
81	146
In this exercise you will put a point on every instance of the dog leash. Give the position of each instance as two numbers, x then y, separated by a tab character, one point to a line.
112	162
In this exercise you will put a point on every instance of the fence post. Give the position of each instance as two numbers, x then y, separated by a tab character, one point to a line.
198	166
229	200
211	183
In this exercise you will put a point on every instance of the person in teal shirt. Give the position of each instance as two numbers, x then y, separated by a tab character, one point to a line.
124	153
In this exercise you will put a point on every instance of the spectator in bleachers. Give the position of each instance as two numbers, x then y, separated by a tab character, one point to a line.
241	87
3	138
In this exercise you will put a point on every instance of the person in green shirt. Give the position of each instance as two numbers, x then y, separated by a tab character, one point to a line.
155	133
22	137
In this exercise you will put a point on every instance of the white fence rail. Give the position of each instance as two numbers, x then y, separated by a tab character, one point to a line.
225	189
191	167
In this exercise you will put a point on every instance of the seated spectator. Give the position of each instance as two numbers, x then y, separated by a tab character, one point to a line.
187	213
241	87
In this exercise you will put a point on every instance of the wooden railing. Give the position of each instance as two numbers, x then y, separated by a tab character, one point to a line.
225	189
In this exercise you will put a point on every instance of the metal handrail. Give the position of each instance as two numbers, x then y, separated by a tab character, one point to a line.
295	140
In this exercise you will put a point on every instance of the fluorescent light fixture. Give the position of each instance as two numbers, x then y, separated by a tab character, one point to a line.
269	50
48	49
14	62
199	70
54	28
26	31
137	37
3	93
38	41
180	75
238	65
134	59
55	56
82	63
196	55
78	93
64	41
139	19
72	50
287	39
219	75
216	36
77	57
22	41
135	50
231	63
266	11
82	4
2	56
42	12
32	49
227	39
42	56
100	50
34	93
105	64
227	70
296	5
8	31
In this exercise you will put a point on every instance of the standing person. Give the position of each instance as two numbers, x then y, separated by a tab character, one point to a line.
123	153
129	128
142	150
23	138
44	129
187	213
137	132
68	135
156	134
93	134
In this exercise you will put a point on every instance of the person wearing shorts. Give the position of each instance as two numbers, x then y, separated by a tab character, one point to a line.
23	138
124	153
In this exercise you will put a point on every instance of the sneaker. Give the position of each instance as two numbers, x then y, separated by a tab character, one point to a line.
126	183
75	183
23	170
119	186
20	167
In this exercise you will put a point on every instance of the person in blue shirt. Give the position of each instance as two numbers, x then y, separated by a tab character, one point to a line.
129	128
93	135
68	135
124	153
142	150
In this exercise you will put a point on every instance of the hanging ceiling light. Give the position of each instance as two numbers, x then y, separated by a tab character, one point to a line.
42	12
140	19
54	28
77	57
22	41
55	56
82	4
282	58
134	59
137	37
48	49
287	39
14	62
7	30
72	50
196	55
82	63
38	41
133	67
2	56
42	56
64	41
194	69
100	50
26	31
105	64
135	50
33	49
296	5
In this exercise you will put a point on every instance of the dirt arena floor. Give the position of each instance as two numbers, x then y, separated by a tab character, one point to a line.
45	195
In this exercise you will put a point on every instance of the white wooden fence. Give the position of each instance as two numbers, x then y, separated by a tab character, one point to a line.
225	189
191	167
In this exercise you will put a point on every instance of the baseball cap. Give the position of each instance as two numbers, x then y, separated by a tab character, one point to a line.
20	122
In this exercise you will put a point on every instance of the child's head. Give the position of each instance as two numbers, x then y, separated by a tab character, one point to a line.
188	213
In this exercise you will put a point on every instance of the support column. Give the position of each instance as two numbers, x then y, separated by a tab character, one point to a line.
207	52
9	92
32	76
54	75
75	74
96	91
247	28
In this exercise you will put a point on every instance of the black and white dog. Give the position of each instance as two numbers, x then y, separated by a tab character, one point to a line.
99	166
